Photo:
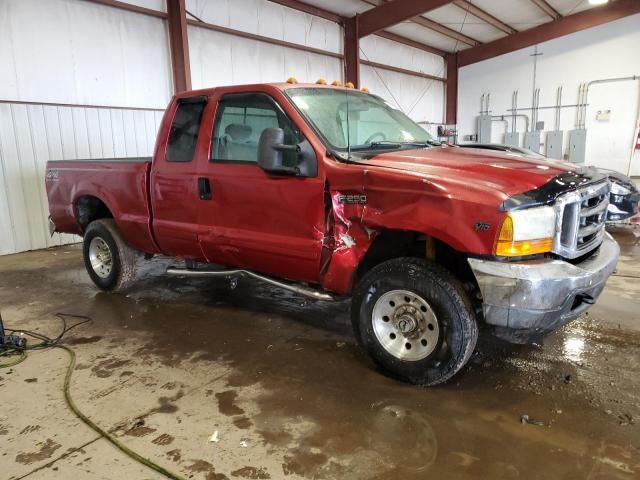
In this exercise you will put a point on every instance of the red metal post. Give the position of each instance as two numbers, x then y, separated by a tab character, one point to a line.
451	87
179	43
352	51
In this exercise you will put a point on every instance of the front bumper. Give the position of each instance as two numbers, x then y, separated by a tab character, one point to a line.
525	300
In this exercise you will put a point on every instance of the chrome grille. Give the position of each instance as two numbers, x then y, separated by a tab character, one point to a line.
581	216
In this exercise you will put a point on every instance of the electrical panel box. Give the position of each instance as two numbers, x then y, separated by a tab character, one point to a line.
532	141
577	145
512	139
484	128
553	144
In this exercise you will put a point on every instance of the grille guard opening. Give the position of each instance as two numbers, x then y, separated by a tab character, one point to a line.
580	220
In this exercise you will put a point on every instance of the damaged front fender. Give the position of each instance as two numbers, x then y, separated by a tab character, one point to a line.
347	241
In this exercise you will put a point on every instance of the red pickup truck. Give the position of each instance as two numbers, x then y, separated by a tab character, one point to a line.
330	192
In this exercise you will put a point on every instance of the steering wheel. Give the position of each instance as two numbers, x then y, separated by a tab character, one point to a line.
377	134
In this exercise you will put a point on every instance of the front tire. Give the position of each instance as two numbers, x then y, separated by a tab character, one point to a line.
110	262
415	320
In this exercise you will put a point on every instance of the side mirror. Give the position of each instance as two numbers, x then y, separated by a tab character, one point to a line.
271	150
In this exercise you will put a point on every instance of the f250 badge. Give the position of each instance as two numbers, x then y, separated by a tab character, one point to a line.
52	176
352	198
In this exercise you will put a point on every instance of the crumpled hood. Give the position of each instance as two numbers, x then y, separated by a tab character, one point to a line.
508	173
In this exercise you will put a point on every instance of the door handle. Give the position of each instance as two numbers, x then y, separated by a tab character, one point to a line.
204	188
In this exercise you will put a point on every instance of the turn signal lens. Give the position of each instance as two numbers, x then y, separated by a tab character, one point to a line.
523	247
508	247
506	231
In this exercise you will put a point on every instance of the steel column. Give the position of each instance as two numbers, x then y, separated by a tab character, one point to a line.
451	89
179	43
352	51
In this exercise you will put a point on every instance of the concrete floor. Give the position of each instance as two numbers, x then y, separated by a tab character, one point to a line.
290	394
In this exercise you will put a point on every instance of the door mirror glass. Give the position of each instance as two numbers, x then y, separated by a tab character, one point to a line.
269	157
271	148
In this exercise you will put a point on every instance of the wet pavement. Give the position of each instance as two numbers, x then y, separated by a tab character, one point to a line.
289	393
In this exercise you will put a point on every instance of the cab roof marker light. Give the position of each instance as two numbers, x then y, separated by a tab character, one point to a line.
292	80
336	83
349	85
365	90
321	81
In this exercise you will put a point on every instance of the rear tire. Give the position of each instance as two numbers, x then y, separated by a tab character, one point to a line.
110	262
415	320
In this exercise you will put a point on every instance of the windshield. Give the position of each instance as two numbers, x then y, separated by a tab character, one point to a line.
348	117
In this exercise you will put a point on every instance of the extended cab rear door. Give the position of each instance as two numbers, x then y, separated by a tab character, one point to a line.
252	219
174	185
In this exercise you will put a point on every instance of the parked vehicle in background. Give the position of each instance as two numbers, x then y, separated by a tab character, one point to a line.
330	192
624	198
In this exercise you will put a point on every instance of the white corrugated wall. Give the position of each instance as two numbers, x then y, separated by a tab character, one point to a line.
80	53
421	99
71	52
223	59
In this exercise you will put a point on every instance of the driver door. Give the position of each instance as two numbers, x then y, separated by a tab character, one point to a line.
252	219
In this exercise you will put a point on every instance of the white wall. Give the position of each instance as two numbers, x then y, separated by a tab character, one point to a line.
421	99
70	51
222	59
609	50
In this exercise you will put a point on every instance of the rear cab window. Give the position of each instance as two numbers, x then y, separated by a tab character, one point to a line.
183	136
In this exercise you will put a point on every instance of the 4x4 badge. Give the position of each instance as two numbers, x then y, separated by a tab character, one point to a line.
482	226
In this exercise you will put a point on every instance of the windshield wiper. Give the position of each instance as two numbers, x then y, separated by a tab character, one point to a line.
383	144
391	144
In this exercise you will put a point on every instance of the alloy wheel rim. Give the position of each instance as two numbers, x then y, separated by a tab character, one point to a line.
405	325
100	257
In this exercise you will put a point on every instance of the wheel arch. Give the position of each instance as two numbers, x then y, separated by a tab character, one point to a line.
390	244
88	208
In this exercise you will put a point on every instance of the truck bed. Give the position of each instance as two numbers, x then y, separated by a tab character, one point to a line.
122	184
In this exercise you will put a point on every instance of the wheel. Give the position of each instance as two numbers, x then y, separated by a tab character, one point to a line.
110	262
415	321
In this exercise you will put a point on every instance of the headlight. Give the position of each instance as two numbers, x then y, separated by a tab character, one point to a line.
527	232
619	189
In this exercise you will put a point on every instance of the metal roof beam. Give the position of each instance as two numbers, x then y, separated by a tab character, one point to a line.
435	26
548	31
546	8
394	12
311	10
484	16
410	43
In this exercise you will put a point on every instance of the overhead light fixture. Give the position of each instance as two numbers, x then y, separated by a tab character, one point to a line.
598	2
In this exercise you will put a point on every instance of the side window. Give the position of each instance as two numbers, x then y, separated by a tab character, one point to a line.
183	135
240	120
